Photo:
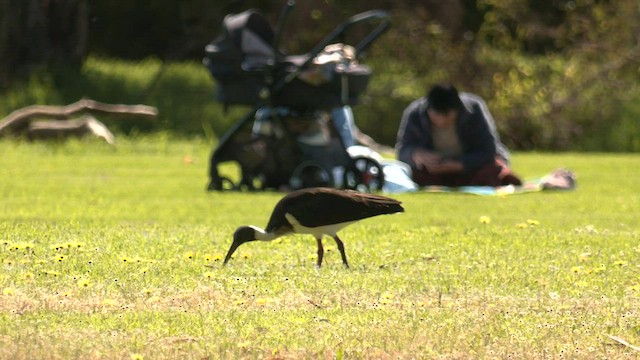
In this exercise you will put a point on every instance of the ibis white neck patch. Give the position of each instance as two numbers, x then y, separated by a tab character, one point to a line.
260	234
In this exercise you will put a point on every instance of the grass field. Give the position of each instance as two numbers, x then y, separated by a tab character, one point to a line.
115	253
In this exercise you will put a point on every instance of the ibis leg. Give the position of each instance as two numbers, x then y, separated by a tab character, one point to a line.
320	251
341	248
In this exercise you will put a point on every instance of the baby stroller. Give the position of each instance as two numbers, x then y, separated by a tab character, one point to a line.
289	140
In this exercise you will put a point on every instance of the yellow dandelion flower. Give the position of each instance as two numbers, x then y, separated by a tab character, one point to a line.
533	222
386	301
125	260
387	295
218	257
634	288
147	292
208	258
144	270
60	258
208	274
8	291
239	302
137	357
189	255
28	276
246	256
485	219
83	283
620	263
7	262
522	225
576	269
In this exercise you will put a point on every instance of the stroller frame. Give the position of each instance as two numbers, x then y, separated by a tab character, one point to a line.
278	97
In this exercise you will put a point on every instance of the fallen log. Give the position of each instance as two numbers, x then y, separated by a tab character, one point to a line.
18	121
62	129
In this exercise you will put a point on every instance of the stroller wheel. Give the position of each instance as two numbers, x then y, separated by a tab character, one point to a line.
226	184
310	174
252	182
221	184
364	174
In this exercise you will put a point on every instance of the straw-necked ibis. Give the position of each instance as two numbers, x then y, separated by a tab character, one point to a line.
316	211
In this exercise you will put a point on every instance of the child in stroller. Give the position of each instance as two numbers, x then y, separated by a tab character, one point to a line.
301	127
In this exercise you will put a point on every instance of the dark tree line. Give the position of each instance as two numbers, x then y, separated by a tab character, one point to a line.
554	72
41	32
49	32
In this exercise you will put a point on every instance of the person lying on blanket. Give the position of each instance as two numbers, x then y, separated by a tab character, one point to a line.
450	139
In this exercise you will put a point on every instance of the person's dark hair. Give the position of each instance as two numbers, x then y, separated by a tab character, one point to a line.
444	97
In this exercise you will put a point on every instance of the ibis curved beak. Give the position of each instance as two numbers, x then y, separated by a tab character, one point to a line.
232	249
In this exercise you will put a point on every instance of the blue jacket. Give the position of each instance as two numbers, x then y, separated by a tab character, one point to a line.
475	128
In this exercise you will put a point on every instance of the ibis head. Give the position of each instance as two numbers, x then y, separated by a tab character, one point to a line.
242	235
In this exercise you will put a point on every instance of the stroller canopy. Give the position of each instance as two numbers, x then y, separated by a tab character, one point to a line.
244	45
249	70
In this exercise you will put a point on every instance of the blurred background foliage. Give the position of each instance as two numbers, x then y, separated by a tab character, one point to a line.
557	74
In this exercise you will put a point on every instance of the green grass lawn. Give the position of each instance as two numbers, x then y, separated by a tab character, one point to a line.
115	253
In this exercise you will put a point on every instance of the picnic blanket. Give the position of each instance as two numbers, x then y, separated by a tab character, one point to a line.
397	179
560	179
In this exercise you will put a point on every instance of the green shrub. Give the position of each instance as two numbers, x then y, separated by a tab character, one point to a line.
548	102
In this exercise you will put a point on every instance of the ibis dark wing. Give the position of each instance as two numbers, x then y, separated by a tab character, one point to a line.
324	206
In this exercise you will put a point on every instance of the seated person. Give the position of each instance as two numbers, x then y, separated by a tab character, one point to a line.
450	139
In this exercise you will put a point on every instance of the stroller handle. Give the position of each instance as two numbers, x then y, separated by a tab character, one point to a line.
385	23
280	27
367	16
363	17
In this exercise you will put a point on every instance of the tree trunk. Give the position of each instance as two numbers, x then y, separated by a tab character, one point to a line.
37	32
